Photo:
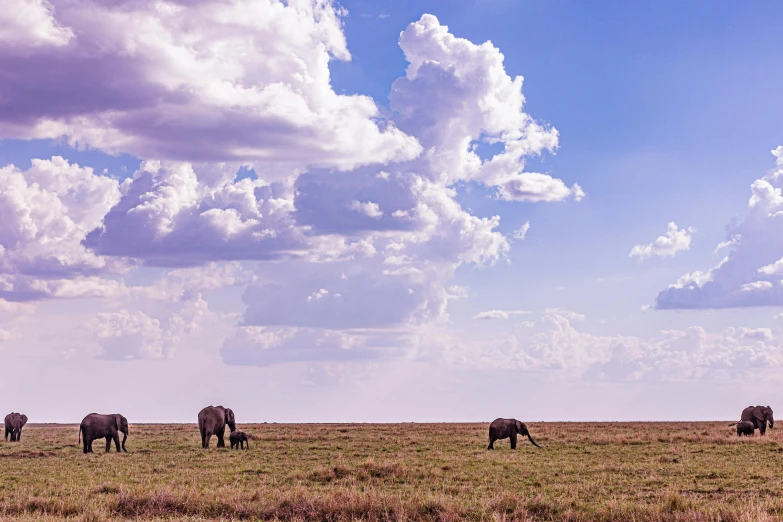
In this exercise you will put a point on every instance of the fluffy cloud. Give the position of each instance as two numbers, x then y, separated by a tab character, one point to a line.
355	224
562	312
154	319
407	211
553	343
498	314
136	335
456	95
186	214
31	23
210	80
369	208
667	245
45	214
183	282
129	335
749	274
179	214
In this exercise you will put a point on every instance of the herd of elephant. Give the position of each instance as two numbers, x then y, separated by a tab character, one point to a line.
213	420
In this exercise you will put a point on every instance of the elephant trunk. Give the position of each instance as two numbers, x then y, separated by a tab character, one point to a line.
124	438
532	441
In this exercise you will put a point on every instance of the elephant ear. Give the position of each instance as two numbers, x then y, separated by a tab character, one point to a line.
118	420
24	420
758	414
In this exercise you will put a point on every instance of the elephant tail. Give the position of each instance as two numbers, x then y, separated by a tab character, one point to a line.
532	441
80	434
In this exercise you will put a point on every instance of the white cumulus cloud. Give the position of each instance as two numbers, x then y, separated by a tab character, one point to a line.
213	80
749	274
675	240
498	314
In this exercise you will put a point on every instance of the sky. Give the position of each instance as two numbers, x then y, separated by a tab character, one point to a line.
377	211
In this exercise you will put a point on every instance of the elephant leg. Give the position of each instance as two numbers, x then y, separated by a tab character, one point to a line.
763	429
491	444
116	442
203	438
19	436
207	436
108	443
221	443
513	441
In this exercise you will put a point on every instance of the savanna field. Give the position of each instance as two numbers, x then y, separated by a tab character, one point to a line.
584	471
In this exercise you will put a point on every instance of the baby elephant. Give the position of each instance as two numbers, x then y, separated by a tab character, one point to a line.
240	439
745	428
508	428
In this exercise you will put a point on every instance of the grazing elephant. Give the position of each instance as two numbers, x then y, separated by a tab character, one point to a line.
505	428
212	420
745	428
759	416
96	426
14	422
239	439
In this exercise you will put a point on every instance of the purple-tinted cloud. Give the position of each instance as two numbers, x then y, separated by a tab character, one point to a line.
196	81
751	274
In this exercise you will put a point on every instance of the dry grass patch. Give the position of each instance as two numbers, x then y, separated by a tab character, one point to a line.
607	472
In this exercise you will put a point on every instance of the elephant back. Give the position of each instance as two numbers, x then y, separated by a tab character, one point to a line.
215	413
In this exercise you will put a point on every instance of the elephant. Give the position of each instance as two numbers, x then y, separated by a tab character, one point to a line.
745	428
240	439
212	420
759	416
14	422
508	428
96	426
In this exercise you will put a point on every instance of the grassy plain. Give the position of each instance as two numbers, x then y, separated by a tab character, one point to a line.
583	472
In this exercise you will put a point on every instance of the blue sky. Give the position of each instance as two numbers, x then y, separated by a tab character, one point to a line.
357	273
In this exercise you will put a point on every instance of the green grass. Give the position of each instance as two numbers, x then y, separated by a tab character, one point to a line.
601	471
